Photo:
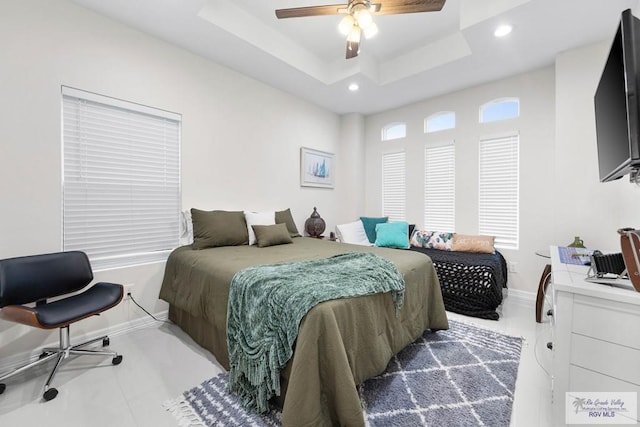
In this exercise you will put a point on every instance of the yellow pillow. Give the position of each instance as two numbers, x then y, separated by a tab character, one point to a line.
470	243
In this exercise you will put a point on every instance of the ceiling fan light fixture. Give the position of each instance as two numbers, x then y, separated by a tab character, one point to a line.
354	34
346	24
370	31
357	16
362	15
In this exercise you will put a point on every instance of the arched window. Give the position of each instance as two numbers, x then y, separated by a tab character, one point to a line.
499	109
394	131
440	121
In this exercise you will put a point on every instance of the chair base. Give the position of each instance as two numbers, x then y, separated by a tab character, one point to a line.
62	353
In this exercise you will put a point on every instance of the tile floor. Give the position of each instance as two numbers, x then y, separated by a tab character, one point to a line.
161	361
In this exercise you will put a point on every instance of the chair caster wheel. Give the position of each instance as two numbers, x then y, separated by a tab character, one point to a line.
50	394
105	342
2	388
116	360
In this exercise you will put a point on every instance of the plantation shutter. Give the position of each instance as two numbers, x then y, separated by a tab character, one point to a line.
499	189
439	188
121	179
393	186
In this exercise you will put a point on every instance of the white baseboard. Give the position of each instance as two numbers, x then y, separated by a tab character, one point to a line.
520	296
131	325
12	362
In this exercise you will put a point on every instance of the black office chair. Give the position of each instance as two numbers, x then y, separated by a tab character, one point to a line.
26	283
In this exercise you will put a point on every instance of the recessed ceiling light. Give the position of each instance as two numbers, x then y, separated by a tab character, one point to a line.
354	87
502	30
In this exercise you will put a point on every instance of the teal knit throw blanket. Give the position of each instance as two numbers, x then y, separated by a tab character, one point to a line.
267	303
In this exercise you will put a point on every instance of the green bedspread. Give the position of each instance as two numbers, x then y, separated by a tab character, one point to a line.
340	343
267	303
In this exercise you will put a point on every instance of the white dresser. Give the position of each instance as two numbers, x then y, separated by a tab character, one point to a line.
596	335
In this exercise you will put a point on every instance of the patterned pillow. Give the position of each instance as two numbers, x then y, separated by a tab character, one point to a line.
432	240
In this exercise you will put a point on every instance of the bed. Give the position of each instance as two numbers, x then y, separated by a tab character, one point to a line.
340	342
471	283
472	273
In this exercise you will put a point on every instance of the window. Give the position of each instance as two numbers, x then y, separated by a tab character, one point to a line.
499	189
393	186
499	109
121	179
394	131
440	121
439	188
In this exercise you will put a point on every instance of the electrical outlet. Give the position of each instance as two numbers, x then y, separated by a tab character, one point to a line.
128	289
513	267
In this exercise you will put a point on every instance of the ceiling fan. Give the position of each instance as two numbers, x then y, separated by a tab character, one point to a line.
358	19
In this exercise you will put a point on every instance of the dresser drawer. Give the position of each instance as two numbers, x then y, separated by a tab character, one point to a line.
614	360
585	380
614	322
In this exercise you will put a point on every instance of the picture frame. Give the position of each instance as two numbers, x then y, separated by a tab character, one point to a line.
317	168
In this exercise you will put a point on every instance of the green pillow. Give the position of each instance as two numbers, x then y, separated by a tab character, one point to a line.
286	218
393	235
370	226
271	235
218	228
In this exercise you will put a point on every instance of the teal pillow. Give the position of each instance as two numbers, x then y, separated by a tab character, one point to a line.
393	235
370	226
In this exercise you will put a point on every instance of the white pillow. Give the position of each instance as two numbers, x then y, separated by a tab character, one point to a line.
353	233
186	228
258	218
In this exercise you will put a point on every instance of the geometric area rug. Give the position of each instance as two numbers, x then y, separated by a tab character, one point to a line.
464	376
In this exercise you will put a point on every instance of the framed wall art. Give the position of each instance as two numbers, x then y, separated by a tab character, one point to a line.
316	168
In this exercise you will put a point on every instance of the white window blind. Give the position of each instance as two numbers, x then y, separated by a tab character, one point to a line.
394	186
121	179
499	189
440	188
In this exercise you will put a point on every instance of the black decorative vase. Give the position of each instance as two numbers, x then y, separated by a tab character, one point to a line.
314	225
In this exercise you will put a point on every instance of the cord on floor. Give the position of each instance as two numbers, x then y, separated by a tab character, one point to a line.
548	332
143	309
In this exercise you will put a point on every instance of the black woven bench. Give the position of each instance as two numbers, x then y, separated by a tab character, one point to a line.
471	283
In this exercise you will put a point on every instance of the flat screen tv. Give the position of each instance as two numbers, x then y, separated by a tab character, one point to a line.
616	104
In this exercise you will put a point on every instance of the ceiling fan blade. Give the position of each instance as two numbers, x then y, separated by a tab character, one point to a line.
394	7
299	12
353	48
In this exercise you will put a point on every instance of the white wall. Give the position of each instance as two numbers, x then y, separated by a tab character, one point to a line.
241	139
582	205
351	159
536	128
561	196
